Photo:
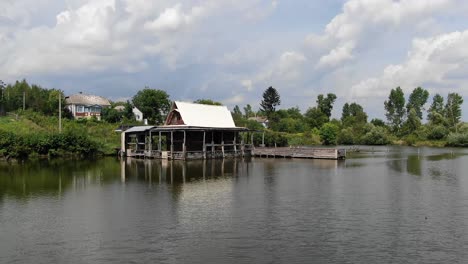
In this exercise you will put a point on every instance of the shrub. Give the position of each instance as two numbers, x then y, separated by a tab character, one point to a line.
328	133
376	136
457	139
346	137
437	132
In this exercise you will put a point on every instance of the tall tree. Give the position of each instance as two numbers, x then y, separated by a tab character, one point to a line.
453	109
325	104
417	100
315	118
271	99
353	114
395	107
154	104
248	111
436	110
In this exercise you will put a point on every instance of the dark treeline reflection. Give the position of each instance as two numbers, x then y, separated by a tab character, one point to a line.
179	172
55	177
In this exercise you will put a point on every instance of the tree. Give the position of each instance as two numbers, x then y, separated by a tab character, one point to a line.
395	107
417	100
453	109
207	102
248	111
436	110
271	99
325	104
315	118
154	104
353	114
413	122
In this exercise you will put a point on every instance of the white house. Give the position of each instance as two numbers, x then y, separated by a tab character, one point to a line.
138	114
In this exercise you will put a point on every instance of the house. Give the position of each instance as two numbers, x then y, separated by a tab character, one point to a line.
261	120
191	131
136	112
86	106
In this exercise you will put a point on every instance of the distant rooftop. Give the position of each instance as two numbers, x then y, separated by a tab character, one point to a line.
87	99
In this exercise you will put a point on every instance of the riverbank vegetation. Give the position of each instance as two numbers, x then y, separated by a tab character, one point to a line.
29	121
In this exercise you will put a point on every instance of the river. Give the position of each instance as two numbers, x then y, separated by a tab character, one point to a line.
381	205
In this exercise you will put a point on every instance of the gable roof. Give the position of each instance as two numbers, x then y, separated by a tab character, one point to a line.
200	115
87	99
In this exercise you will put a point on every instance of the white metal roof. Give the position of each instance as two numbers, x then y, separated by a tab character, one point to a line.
200	115
139	129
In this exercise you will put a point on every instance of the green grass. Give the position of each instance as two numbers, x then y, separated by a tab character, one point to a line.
31	124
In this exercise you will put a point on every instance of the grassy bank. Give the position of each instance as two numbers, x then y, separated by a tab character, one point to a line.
30	135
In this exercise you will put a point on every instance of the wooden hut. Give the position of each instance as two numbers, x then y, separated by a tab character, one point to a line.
191	131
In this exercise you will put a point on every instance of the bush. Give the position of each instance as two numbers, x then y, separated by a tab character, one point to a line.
437	132
346	137
376	136
457	139
328	133
271	139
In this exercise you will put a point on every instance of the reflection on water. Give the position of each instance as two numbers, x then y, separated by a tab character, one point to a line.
390	205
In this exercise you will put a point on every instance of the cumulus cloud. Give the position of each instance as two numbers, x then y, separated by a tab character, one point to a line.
103	35
361	20
433	61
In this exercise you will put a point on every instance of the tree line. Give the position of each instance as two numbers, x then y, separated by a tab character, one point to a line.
404	118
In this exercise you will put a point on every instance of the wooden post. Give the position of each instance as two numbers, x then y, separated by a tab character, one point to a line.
212	144
159	143
150	145
235	143
183	145
222	142
172	145
204	144
251	140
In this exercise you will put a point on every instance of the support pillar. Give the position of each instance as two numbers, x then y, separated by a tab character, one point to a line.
204	144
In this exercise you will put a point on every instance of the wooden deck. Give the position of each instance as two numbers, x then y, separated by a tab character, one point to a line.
300	152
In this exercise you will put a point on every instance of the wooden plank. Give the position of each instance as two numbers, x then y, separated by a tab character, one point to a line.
306	153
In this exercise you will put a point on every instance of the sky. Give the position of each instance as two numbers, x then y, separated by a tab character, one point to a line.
232	50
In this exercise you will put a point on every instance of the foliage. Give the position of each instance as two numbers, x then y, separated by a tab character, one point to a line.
154	104
417	100
412	123
452	109
376	136
248	111
437	132
315	118
378	122
271	99
458	139
346	137
395	107
207	102
308	138
272	139
328	133
325	104
436	110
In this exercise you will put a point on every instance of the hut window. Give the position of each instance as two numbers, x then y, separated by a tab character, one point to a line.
79	109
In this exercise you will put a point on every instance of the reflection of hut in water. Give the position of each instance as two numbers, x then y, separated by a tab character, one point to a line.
191	131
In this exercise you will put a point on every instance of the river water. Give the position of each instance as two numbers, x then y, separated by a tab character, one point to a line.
381	205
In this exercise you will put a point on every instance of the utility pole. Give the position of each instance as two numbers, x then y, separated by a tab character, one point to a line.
60	112
24	100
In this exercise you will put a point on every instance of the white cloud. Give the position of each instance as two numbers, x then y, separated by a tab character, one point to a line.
361	20
174	18
431	60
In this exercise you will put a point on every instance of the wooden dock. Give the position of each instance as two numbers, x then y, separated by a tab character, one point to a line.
300	152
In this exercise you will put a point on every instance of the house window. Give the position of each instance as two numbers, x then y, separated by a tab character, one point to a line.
79	109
